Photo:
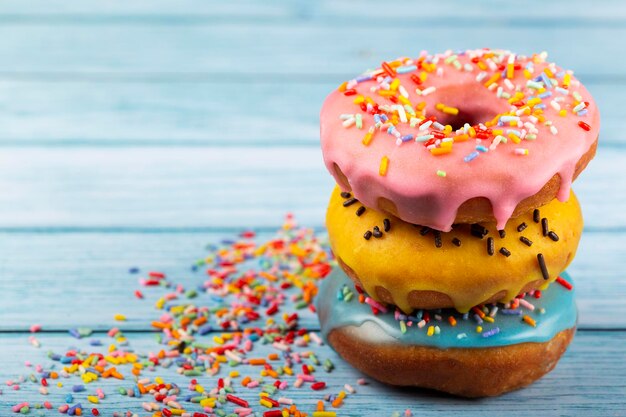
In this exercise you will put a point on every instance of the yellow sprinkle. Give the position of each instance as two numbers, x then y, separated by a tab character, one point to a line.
384	166
265	403
548	72
404	100
509	70
431	330
440	151
563	113
119	317
177	411
93	399
359	99
479	329
447	144
497	132
324	414
488	319
516	139
447	129
534	101
451	110
461	138
494	78
482	65
233	374
527	74
472	132
368	137
394	84
566	79
423	76
440	106
218	340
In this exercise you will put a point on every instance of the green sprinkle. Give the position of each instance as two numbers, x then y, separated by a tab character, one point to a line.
192	372
402	326
441	173
359	121
348	297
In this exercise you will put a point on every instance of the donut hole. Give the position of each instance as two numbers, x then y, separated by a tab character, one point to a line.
475	105
469	115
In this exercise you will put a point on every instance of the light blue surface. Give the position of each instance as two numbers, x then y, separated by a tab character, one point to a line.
133	133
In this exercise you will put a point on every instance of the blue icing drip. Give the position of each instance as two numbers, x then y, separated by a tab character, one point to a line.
560	314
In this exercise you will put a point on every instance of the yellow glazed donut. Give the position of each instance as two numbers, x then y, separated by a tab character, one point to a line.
415	267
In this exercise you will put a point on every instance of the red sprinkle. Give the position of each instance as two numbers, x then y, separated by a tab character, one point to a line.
316	386
95	412
584	125
273	413
564	283
236	400
167	412
387	68
349	92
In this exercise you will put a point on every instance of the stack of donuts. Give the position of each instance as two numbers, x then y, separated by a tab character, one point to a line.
453	219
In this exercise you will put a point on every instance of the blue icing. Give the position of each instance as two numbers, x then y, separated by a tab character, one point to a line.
558	302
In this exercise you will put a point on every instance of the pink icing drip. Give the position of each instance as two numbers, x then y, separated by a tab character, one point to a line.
411	183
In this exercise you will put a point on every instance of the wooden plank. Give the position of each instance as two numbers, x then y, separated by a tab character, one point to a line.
292	50
587	381
82	10
64	280
223	114
160	187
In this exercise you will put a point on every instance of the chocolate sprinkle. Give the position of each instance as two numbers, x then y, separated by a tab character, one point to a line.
438	242
478	231
542	265
386	225
526	241
490	246
360	211
544	226
424	231
502	233
367	235
522	226
350	202
536	215
456	241
505	251
553	236
345	194
377	232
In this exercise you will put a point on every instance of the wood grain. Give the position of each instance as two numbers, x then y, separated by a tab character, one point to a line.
585	382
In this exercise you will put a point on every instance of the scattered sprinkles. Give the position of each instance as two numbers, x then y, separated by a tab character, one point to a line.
207	358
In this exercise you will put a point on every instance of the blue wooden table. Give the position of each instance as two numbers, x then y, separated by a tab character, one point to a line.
134	133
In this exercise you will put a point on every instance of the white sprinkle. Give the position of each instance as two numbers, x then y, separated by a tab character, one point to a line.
401	113
509	84
553	130
428	90
555	105
579	107
403	91
349	122
481	76
426	125
345	116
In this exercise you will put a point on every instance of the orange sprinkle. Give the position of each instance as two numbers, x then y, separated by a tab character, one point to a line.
529	320
452	321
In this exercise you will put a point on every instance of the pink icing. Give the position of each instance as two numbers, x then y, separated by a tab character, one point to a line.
502	176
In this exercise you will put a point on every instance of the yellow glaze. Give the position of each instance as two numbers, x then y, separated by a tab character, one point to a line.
403	260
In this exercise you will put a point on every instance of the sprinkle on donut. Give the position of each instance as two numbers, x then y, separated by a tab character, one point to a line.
396	106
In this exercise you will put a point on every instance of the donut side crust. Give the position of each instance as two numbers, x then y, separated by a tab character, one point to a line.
466	372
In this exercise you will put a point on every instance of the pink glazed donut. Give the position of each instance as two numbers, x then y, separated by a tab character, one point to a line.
459	137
